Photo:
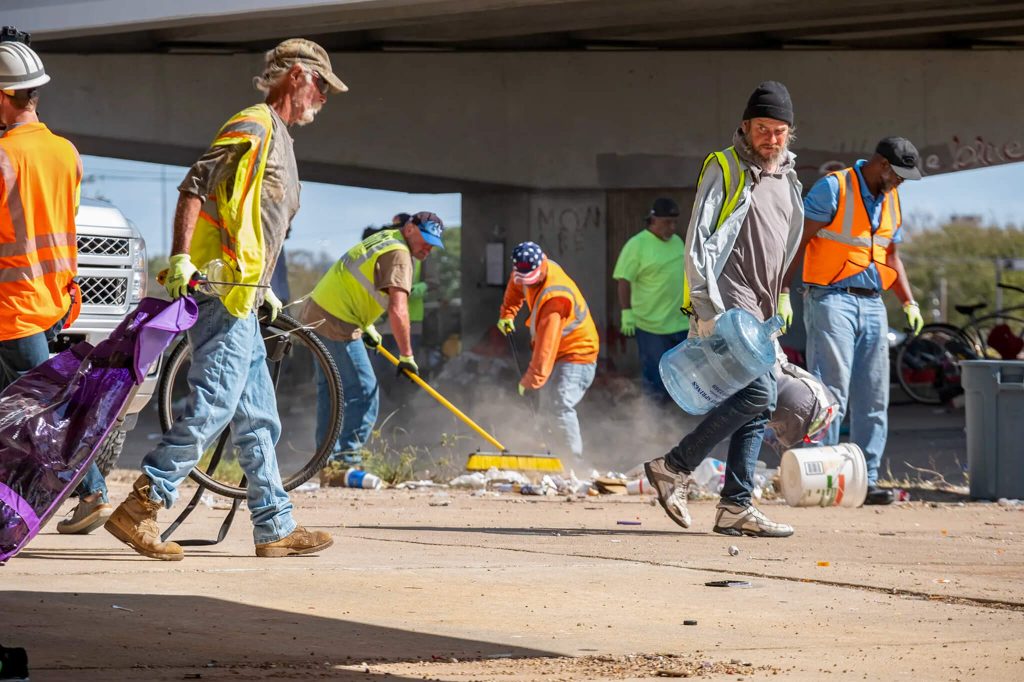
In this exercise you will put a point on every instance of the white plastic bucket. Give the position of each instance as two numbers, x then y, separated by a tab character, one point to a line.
829	476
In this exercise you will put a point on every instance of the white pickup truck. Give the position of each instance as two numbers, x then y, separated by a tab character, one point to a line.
112	273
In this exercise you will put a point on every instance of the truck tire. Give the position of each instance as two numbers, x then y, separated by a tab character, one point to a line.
107	456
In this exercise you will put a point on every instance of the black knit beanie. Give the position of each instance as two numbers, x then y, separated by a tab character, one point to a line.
770	100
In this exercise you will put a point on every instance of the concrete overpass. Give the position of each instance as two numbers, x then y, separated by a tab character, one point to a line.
558	120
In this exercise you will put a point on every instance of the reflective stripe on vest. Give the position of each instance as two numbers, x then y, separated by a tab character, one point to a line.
354	268
579	310
854	247
732	180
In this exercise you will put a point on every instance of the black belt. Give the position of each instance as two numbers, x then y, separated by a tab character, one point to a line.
860	291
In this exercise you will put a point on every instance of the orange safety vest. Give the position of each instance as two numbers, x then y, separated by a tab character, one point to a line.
579	336
39	190
846	246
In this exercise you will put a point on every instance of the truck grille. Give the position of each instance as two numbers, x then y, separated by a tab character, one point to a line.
104	290
103	246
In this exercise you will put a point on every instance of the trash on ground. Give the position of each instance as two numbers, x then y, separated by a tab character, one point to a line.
824	563
440	500
122	608
414	485
307	487
640	486
733	550
689	622
1005	502
628	523
728	583
709	476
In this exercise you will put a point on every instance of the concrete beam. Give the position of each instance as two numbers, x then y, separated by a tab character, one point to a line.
572	121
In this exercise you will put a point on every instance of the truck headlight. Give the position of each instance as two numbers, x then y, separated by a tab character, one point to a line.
140	273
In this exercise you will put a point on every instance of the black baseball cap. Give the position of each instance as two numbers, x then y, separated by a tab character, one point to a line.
664	207
902	156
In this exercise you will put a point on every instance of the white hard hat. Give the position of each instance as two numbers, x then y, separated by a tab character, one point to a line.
20	67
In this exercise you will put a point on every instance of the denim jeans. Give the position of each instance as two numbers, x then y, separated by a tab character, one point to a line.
19	356
652	347
565	388
848	349
231	385
741	418
362	400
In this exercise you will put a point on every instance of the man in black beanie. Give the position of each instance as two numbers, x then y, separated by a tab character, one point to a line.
744	231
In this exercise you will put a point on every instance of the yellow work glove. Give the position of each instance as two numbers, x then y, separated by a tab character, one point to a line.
371	337
628	324
407	364
418	290
522	390
785	310
179	273
914	319
273	304
506	325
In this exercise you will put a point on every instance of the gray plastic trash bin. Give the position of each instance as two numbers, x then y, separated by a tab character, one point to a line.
995	427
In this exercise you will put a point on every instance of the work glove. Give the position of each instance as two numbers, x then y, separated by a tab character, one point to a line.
273	304
419	289
179	273
785	310
407	364
506	325
914	319
522	390
371	337
628	324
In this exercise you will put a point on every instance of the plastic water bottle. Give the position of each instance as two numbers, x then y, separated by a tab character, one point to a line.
357	478
701	373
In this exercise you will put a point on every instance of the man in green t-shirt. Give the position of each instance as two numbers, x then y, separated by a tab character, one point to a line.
649	276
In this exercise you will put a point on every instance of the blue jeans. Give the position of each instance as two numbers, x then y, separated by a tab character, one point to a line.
652	347
565	388
848	349
741	418
231	385
362	400
19	356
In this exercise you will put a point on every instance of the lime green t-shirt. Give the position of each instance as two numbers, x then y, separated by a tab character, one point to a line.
654	270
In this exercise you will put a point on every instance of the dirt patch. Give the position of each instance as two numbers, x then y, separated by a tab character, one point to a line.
596	667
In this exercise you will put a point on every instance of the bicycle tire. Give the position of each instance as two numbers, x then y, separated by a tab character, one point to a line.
913	356
291	329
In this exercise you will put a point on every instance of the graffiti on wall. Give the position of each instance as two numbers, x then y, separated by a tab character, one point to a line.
562	230
958	154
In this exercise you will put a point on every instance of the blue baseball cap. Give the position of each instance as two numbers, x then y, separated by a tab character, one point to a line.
430	226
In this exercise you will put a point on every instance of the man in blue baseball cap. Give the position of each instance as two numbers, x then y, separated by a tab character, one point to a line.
375	275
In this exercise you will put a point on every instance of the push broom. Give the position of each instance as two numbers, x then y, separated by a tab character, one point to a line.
482	461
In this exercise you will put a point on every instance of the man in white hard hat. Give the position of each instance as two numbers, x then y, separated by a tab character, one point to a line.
40	176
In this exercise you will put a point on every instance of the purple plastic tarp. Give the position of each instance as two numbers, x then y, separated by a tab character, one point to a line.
55	417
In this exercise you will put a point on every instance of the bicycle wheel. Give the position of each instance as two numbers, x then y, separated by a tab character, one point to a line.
928	365
292	351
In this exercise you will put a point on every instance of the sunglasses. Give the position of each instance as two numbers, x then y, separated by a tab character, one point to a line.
322	86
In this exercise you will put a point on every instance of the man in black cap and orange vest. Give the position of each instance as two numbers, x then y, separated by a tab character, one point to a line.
852	228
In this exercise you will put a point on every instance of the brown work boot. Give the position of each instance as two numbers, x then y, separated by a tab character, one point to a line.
134	524
301	541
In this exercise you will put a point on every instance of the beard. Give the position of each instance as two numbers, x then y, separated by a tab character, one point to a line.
308	114
765	156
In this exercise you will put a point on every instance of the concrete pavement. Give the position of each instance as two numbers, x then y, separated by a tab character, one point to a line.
508	586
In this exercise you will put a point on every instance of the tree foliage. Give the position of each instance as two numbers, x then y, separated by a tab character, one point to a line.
964	253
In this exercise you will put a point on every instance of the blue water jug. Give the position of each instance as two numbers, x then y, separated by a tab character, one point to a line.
701	373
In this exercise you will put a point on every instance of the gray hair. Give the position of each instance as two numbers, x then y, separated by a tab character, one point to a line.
273	73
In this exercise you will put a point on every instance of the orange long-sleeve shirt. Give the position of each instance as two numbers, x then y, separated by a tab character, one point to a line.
548	348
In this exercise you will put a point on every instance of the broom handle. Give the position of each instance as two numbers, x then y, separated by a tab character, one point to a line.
441	399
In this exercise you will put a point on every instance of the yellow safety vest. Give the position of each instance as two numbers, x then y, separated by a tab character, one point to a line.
229	225
347	291
416	302
732	187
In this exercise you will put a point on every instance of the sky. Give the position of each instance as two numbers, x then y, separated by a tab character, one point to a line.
332	217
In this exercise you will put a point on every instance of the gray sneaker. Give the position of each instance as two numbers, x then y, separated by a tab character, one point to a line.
732	519
672	489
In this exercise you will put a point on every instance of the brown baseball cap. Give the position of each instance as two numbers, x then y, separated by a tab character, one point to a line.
307	53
